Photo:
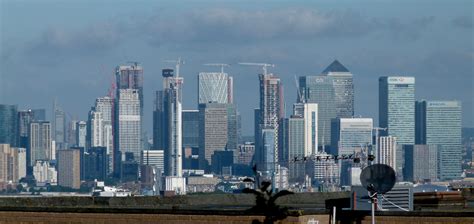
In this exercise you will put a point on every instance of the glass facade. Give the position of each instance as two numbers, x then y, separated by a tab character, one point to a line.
343	89
214	87
191	128
350	134
9	124
397	108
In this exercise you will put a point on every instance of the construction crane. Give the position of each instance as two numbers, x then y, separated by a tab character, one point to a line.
264	65
178	62
219	65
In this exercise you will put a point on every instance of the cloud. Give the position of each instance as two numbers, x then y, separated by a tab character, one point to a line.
463	22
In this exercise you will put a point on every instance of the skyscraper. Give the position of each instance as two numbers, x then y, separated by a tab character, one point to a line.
439	123
271	111
25	117
127	77
213	131
39	114
387	152
343	89
95	129
320	90
81	133
39	142
309	112
128	126
292	151
58	126
190	128
167	124
9	166
350	135
9	124
214	87
397	108
69	168
421	163
105	105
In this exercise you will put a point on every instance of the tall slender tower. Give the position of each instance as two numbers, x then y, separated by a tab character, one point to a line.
167	122
271	111
343	89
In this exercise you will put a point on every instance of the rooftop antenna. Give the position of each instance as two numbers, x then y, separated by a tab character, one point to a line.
263	65
218	65
178	62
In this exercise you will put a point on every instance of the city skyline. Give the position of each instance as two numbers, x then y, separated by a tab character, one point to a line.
442	54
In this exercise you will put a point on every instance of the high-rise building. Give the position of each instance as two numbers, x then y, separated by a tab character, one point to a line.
397	108
25	117
343	89
309	112
95	129
153	158
214	87
320	90
58	130
292	150
167	124
81	133
129	78
245	152
190	128
421	163
39	114
69	168
105	105
9	124
213	131
8	165
439	123
350	134
387	152
40	147
128	130
270	113
71	133
45	173
95	163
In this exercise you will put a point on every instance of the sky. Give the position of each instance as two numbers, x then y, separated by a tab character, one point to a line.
69	49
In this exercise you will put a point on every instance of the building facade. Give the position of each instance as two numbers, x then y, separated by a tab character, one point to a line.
214	87
40	141
213	129
69	168
9	121
343	89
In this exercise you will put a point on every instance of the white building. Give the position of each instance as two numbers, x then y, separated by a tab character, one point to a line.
387	151
129	124
176	184
153	158
309	112
45	173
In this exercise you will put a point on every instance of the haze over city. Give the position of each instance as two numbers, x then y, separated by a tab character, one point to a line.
69	50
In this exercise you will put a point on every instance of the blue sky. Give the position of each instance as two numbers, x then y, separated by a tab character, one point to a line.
68	49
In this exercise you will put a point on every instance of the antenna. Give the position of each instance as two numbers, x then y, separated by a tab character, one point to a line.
263	65
218	65
178	62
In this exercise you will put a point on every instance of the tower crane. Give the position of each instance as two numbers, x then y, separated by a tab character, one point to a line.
218	65
178	62
263	65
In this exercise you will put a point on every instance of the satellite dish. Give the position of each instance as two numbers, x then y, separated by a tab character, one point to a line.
378	178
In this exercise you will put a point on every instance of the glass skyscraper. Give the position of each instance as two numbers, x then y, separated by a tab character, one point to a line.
439	123
397	108
190	128
343	89
214	87
350	134
293	146
320	90
8	124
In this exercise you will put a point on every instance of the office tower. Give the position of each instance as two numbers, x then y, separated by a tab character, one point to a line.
95	129
58	130
421	163
326	172
128	126
244	153
45	173
270	112
9	124
129	79
21	163
105	105
81	134
397	108
292	150
25	117
232	127
213	131
40	147
71	133
214	87
343	89
190	128
39	114
95	163
309	112
439	123
69	168
320	90
8	165
167	124
190	158
153	158
350	135
387	152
